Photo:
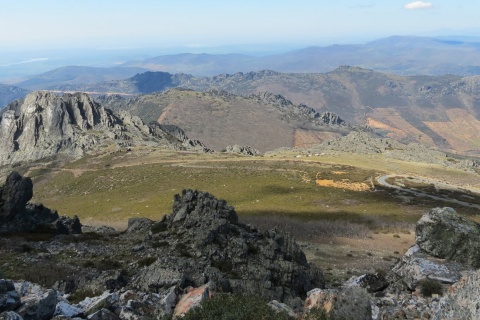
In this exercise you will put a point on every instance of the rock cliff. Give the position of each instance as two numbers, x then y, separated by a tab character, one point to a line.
45	124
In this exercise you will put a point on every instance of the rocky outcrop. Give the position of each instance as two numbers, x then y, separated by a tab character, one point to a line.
416	266
173	133
16	214
245	150
45	124
301	111
203	241
347	303
461	301
445	234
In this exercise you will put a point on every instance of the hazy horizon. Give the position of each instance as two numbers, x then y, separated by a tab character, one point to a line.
43	35
107	24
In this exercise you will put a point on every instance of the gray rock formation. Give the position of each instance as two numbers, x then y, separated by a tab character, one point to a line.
416	266
173	133
16	214
45	124
444	234
245	150
371	282
462	300
346	303
204	242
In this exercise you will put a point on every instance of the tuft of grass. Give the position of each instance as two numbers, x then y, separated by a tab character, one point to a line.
429	287
234	307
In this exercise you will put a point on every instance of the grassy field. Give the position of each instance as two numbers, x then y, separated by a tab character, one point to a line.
110	188
344	232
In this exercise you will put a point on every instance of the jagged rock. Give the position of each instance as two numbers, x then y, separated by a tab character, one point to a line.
137	305
191	300
65	225
18	215
92	305
9	298
174	132
282	308
105	230
10	315
103	314
65	309
38	307
15	194
208	244
371	282
139	225
444	234
416	265
45	124
462	299
245	150
345	303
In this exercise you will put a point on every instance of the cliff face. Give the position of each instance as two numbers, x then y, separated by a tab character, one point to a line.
45	124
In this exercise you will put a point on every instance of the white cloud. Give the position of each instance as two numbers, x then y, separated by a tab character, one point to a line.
415	5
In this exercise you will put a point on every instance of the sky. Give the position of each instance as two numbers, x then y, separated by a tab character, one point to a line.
115	24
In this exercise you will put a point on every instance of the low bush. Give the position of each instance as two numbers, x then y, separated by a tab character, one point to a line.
234	307
429	287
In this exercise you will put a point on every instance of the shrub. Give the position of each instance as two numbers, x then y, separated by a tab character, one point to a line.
80	295
429	287
234	307
316	314
145	262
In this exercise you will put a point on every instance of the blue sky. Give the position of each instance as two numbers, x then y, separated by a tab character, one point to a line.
40	24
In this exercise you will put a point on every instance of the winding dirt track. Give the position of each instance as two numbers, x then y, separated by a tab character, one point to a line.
383	181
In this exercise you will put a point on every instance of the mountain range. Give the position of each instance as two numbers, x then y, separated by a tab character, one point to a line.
401	55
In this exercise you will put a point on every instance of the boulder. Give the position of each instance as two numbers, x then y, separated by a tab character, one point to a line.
416	265
15	194
371	282
38	307
191	299
17	215
137	305
9	298
93	304
103	314
344	303
444	234
10	315
65	309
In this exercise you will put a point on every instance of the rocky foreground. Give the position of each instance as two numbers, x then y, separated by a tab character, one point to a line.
164	268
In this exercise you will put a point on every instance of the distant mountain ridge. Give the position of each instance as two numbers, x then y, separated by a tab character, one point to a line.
401	55
9	93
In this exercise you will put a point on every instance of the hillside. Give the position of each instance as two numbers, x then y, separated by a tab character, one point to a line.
10	93
74	75
263	121
441	111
